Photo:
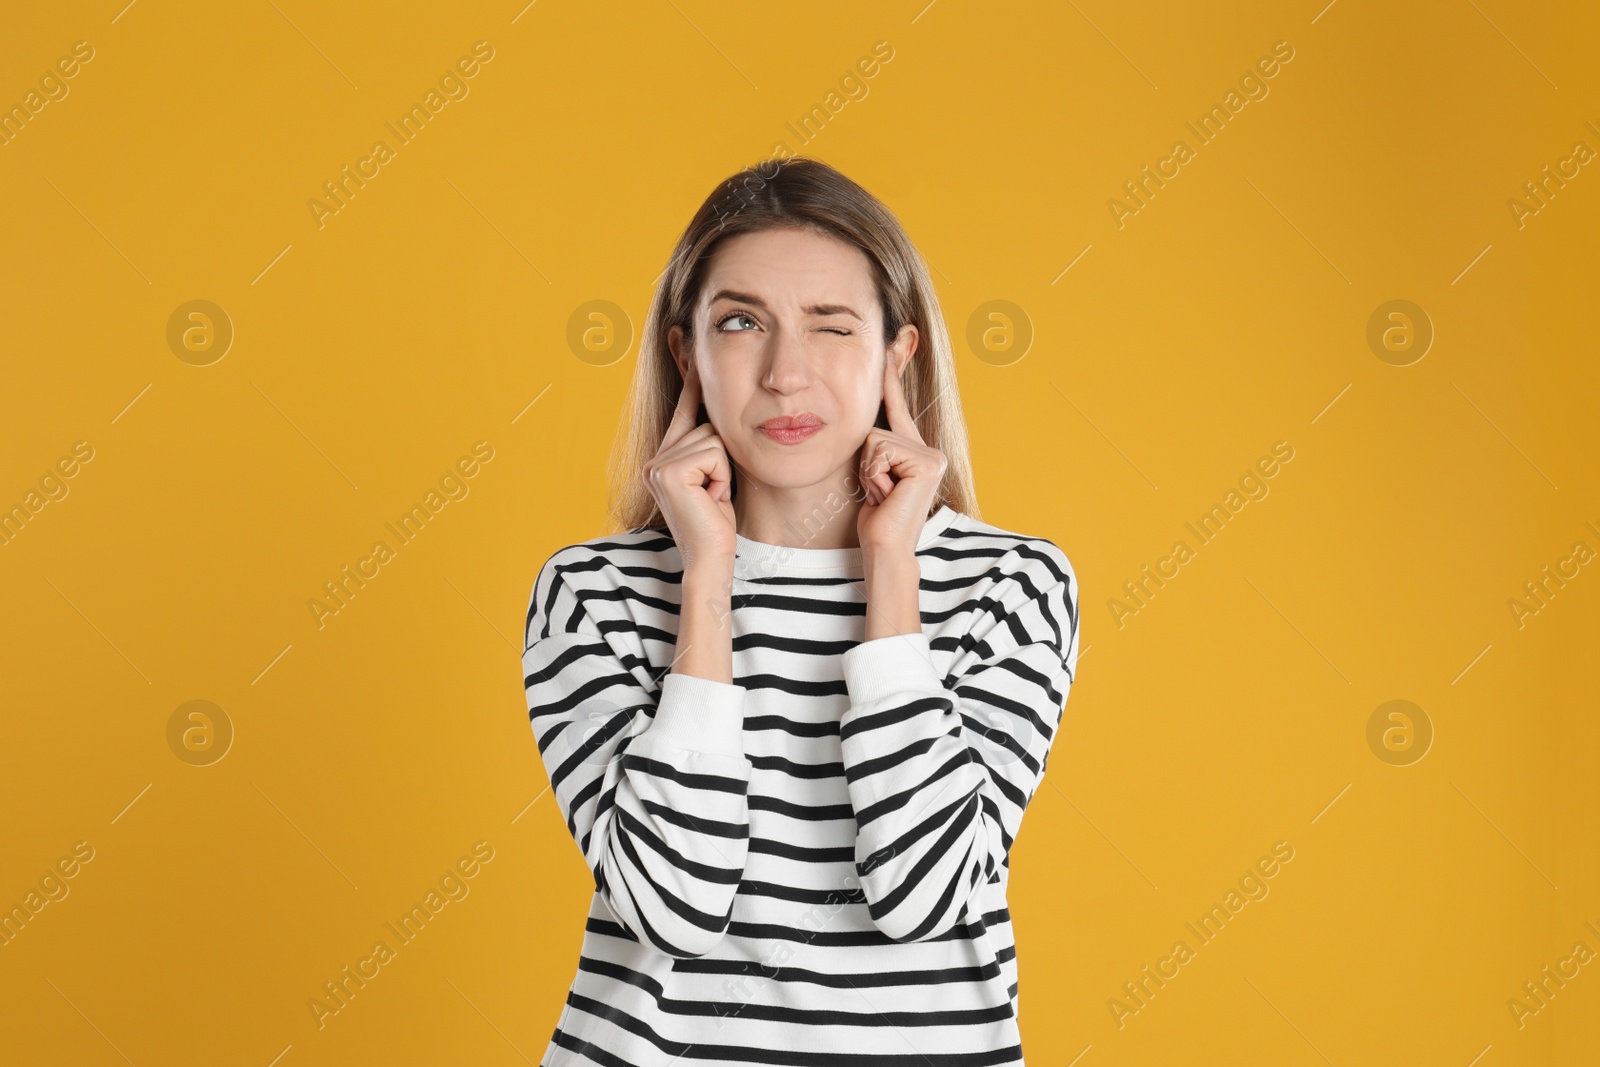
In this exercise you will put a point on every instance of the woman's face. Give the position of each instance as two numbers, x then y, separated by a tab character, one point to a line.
788	324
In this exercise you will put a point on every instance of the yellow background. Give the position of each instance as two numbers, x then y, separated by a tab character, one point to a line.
429	313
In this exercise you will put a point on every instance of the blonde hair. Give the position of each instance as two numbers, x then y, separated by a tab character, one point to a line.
805	193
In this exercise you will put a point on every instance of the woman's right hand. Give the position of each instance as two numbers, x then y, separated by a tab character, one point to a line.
691	478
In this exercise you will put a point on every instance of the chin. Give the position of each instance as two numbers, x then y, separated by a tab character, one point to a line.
789	469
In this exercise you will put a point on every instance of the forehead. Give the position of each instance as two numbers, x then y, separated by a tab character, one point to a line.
792	268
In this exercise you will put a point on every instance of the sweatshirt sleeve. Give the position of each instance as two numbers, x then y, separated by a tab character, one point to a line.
650	778
939	771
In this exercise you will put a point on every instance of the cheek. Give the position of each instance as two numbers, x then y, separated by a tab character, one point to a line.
858	394
721	390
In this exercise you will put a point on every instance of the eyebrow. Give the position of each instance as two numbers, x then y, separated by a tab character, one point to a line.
810	309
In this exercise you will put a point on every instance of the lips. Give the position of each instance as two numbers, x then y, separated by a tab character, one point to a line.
791	422
791	429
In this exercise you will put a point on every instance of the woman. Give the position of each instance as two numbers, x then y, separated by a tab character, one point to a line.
793	714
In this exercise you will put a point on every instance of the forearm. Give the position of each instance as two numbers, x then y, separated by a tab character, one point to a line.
940	761
670	851
922	839
656	800
893	585
705	630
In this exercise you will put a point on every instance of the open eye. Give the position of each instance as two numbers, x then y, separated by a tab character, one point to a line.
735	315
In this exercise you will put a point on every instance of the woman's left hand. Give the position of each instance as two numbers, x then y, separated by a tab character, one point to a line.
900	473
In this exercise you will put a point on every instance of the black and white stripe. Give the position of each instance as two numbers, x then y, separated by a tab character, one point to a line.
808	866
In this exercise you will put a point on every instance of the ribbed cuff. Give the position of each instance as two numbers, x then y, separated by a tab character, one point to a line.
700	715
887	665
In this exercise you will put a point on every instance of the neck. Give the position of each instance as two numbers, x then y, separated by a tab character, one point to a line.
810	516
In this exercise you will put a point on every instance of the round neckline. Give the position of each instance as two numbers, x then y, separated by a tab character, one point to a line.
759	559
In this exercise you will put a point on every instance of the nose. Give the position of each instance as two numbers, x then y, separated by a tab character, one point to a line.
788	363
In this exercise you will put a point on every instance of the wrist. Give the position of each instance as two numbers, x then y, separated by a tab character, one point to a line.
704	645
705	605
710	573
890	564
894	595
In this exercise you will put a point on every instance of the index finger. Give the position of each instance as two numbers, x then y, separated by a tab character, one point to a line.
684	414
894	404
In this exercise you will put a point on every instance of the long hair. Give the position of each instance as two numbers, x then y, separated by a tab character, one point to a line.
805	193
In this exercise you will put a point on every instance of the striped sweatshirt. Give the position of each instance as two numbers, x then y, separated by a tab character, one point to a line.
808	865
